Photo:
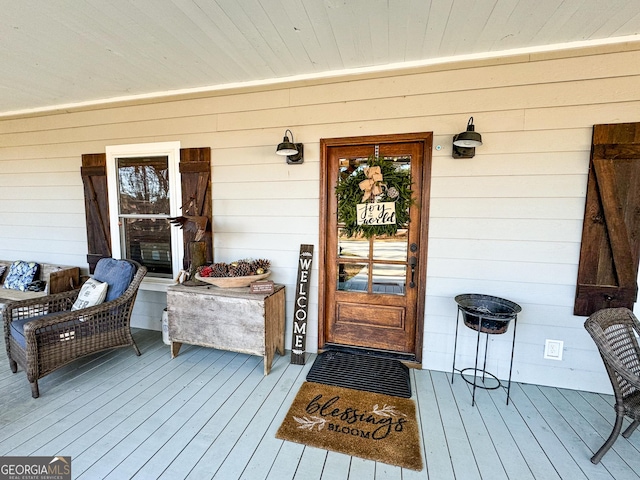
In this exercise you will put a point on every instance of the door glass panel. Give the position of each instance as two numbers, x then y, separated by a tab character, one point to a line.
391	247
353	277
389	278
352	247
389	252
350	165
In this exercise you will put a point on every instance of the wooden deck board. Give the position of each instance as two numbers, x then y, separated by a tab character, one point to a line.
285	463
544	434
262	421
144	419
169	431
336	466
262	459
245	411
361	468
512	459
565	434
578	419
31	417
434	442
481	442
128	401
185	430
460	451
213	414
80	415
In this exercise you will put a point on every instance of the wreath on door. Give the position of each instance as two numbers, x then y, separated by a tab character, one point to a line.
378	181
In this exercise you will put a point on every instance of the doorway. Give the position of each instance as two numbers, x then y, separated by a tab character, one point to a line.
373	281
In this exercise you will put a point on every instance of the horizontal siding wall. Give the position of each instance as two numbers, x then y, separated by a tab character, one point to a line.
507	222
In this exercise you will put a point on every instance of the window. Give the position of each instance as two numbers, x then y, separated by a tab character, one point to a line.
144	190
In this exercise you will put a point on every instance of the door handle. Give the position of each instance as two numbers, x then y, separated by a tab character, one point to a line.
413	261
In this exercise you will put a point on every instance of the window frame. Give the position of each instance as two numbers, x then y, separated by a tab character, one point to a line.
172	151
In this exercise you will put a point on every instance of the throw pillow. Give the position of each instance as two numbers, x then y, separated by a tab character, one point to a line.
20	275
117	273
2	270
92	293
37	286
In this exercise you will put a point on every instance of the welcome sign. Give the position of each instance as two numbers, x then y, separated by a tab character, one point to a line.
301	306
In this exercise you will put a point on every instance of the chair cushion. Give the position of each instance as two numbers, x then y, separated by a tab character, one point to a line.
17	327
20	275
92	293
116	273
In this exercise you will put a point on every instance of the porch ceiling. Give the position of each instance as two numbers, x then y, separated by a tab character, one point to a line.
61	53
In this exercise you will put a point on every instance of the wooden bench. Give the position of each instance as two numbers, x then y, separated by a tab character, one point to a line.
58	278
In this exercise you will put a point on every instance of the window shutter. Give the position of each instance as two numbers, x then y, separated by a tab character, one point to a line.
94	179
608	267
195	173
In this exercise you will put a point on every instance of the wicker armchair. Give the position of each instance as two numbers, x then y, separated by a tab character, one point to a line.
43	334
615	330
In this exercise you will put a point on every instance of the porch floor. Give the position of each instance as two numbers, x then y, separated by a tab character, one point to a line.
212	414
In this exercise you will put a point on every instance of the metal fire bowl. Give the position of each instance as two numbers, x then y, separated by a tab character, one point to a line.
493	314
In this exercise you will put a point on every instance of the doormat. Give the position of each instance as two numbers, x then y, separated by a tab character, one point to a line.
361	424
361	372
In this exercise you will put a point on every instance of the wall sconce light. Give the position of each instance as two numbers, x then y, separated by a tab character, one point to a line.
465	143
293	151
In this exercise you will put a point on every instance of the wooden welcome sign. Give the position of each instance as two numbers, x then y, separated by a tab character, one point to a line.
298	343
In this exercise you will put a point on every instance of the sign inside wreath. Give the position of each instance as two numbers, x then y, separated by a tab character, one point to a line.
374	199
381	213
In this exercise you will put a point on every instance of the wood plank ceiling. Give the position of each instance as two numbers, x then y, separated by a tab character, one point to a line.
63	52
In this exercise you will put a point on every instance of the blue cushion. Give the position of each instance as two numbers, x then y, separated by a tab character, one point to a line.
17	327
116	273
20	275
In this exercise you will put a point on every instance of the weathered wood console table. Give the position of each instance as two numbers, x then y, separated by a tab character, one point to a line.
227	319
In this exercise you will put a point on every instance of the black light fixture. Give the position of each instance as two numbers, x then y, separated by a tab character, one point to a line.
465	143
293	151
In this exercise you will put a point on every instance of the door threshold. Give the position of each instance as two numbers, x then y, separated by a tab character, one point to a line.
409	359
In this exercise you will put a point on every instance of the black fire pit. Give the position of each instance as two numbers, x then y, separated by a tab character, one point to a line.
492	314
489	315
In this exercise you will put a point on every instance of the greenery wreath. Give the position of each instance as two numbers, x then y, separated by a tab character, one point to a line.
349	194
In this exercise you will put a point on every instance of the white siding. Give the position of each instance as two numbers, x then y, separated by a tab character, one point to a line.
507	222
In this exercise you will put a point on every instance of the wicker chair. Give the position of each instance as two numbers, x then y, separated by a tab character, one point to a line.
615	330
43	334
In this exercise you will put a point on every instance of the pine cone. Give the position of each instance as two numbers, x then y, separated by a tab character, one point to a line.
219	270
261	263
232	271
243	269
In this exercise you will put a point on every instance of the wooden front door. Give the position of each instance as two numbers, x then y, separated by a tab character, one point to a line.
372	286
